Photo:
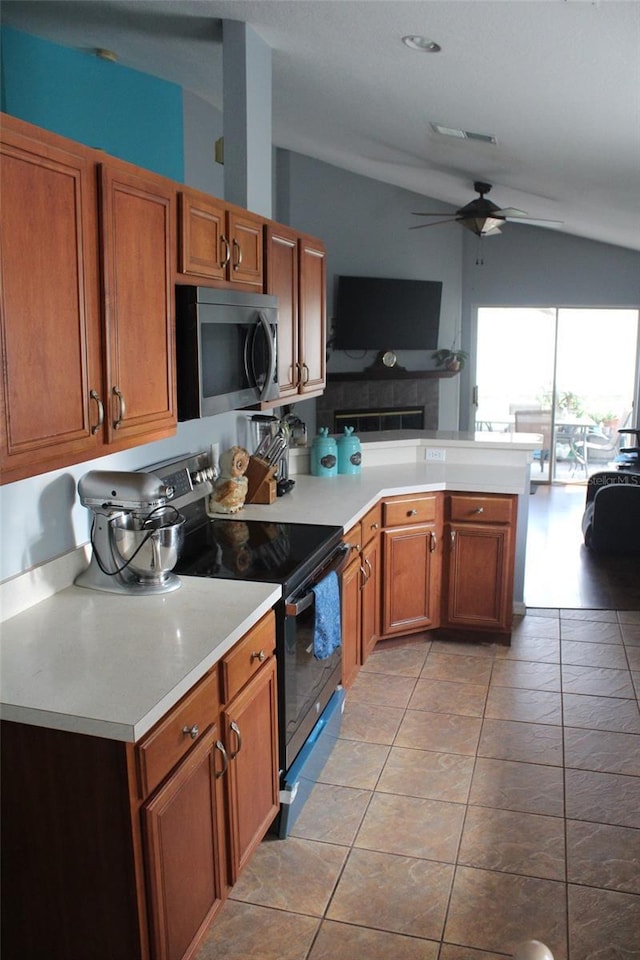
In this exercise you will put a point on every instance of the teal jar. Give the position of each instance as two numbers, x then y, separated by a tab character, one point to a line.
349	452
324	455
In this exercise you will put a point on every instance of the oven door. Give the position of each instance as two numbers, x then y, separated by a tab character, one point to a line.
307	684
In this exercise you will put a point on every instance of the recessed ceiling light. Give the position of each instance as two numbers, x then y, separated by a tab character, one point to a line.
423	44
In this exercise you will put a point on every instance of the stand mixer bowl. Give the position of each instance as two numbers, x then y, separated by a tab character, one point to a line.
149	544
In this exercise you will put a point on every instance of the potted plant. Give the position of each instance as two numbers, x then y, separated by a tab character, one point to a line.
450	359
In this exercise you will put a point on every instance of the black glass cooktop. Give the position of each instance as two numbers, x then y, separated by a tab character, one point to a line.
239	549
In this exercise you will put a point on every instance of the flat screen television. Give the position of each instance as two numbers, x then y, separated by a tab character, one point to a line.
376	313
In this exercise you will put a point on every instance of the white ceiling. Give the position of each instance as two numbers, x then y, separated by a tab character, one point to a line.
557	82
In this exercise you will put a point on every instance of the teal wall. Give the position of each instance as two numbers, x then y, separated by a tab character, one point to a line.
128	114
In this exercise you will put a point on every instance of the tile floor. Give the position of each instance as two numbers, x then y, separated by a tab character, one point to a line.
478	796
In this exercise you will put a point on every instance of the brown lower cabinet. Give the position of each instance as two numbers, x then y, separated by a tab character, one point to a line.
412	563
479	543
428	561
251	779
448	562
183	852
122	851
361	582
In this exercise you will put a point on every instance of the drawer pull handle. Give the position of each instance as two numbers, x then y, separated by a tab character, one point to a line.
375	526
258	655
433	542
236	730
453	539
412	513
478	510
194	731
356	547
225	759
364	577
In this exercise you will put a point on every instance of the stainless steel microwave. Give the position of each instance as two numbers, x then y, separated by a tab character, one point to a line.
226	348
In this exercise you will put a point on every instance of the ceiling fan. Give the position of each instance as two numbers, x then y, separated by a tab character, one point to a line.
482	217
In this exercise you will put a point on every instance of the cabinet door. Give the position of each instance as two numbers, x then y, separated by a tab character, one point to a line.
351	621
49	312
411	579
480	576
183	853
371	596
138	220
245	235
313	324
281	280
204	249
250	735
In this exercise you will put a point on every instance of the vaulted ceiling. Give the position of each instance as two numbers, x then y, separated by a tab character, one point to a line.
555	83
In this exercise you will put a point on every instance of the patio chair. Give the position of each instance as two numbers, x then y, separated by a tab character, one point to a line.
536	421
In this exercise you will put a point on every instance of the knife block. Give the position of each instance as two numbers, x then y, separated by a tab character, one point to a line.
261	487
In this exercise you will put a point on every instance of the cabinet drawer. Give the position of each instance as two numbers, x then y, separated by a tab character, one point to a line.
174	736
403	510
353	537
481	509
371	523
247	656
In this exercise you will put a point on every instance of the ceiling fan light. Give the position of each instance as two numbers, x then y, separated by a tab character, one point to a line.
481	226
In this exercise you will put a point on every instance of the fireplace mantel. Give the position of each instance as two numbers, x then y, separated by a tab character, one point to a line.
389	373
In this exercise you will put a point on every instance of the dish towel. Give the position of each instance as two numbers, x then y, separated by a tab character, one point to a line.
327	635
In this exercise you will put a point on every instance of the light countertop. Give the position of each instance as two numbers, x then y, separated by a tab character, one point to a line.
110	665
342	500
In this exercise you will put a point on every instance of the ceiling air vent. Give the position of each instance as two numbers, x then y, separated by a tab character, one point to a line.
462	134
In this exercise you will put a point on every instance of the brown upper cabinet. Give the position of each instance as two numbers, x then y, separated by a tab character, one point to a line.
91	249
295	272
219	242
52	396
137	231
80	381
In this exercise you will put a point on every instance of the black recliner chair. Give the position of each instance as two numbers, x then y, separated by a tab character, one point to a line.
611	520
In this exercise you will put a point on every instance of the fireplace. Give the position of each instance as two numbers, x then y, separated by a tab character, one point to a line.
370	404
366	421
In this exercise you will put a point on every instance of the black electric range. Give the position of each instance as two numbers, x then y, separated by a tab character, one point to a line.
236	549
295	555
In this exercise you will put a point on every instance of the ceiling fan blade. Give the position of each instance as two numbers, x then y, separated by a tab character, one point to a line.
436	223
510	212
441	213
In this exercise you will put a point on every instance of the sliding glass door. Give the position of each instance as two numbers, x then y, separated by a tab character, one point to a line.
569	375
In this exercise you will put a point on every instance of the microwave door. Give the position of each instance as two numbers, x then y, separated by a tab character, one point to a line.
260	357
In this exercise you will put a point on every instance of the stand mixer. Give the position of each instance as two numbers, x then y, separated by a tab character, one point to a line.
135	534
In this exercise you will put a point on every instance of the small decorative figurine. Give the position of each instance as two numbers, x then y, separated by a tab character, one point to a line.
230	489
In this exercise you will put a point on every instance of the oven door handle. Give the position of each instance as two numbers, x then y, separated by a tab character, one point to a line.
294	607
